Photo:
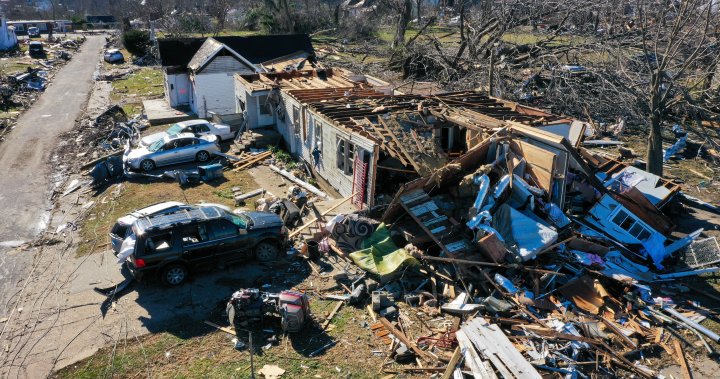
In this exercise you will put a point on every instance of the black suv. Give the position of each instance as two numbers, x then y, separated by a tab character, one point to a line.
173	244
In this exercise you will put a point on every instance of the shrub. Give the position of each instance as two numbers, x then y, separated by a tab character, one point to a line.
137	42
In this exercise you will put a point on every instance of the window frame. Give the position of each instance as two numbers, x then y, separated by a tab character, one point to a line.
215	223
264	105
345	152
621	218
296	119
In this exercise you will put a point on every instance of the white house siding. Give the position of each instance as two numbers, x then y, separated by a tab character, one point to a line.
213	93
288	126
328	168
174	84
214	87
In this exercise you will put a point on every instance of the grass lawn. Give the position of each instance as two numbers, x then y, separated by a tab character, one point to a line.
142	84
211	354
94	233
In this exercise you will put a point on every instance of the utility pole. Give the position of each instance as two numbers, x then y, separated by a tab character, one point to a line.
52	26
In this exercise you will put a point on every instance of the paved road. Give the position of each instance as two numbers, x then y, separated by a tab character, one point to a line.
25	154
25	168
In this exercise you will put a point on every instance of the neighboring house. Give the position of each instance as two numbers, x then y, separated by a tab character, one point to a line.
8	39
199	72
58	26
101	22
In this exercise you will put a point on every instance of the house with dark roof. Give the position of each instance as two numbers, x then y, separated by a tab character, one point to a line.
101	22
199	72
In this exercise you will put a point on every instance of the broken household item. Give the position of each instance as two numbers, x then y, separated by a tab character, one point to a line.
291	307
380	256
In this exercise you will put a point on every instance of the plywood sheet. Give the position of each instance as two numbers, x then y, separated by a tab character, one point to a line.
540	163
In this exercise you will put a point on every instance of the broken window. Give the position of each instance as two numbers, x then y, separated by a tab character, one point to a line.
318	134
158	243
265	107
296	119
340	151
345	153
202	128
223	229
194	234
629	224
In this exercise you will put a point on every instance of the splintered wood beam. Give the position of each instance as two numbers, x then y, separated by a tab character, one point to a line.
401	336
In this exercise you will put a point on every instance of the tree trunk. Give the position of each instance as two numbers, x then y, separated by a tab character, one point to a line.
401	26
654	157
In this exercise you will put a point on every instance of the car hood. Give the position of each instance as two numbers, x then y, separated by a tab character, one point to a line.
264	219
149	140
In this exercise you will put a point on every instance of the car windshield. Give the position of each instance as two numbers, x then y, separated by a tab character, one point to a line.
156	145
239	220
175	129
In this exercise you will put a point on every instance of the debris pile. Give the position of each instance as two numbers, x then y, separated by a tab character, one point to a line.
19	90
525	256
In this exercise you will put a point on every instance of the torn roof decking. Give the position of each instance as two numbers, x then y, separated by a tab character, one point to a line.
398	122
312	79
664	190
479	111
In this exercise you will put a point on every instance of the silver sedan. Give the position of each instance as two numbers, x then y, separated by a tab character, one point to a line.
170	150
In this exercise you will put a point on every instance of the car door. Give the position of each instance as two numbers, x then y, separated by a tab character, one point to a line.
164	156
187	148
198	247
231	243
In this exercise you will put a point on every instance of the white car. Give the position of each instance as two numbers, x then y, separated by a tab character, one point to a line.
197	127
179	148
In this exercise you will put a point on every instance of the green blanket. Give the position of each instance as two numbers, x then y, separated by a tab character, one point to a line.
380	255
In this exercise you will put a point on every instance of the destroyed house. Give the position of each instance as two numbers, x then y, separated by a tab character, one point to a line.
198	72
512	194
364	142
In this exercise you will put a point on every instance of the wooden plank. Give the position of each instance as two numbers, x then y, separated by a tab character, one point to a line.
473	360
496	343
512	357
332	314
297	231
451	365
420	353
541	163
680	356
222	328
486	349
251	161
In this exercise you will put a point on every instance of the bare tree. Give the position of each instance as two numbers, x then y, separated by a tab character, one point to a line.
219	9
402	12
673	72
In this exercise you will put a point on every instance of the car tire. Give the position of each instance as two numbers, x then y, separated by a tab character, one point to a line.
266	251
174	274
202	156
147	165
219	139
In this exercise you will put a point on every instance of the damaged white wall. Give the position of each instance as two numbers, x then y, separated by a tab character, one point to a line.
8	39
214	86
